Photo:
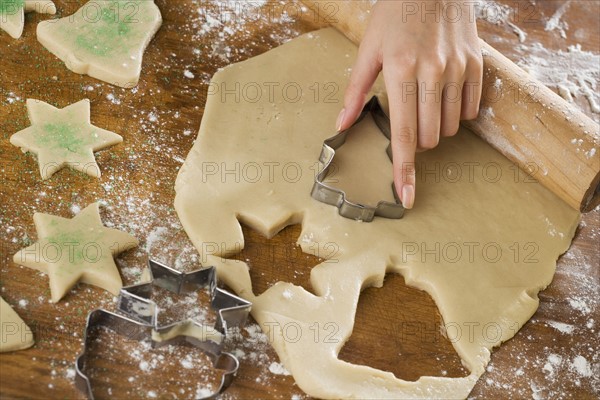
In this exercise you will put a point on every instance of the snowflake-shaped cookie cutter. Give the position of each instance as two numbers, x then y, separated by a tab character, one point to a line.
329	195
232	311
140	331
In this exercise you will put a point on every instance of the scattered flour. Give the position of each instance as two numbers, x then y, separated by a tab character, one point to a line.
573	73
492	11
223	19
114	100
553	362
518	31
580	305
187	362
278	369
581	366
202	392
488	113
155	235
555	23
564	328
498	14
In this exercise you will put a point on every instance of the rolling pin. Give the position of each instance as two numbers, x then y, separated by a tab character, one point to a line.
548	138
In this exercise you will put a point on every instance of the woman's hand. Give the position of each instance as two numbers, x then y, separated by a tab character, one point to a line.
431	61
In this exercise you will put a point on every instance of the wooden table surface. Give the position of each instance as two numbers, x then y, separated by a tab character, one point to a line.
159	121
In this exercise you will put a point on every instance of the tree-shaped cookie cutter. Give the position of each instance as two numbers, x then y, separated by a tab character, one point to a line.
139	331
329	195
232	311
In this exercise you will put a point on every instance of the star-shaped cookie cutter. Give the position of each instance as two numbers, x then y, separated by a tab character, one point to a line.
336	197
232	311
140	331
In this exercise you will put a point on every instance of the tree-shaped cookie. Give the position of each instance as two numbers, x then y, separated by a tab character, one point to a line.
12	14
78	249
63	137
104	39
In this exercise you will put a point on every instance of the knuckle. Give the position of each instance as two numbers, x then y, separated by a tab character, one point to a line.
403	136
428	141
452	91
450	130
405	169
475	61
435	66
457	68
354	92
400	62
471	113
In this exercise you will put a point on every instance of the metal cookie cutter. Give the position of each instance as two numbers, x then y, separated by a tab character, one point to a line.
231	310
139	331
335	197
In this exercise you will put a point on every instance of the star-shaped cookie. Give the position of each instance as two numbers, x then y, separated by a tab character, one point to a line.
14	333
78	249
12	14
63	137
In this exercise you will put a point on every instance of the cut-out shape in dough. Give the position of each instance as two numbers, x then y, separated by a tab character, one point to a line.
12	14
510	232
14	332
104	39
410	327
260	255
77	249
63	137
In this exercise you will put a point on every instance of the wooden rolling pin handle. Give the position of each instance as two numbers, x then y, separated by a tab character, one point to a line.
519	116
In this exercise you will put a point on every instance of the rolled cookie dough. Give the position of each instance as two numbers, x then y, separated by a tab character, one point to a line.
14	333
254	161
104	39
78	249
12	14
63	137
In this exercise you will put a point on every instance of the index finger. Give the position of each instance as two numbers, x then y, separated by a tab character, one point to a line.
402	97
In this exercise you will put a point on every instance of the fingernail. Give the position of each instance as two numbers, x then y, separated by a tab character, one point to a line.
408	196
340	119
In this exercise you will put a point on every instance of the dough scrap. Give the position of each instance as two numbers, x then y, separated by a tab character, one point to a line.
77	249
12	14
104	39
483	301
63	137
14	332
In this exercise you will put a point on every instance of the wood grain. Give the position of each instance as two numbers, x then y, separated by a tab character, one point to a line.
136	189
